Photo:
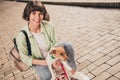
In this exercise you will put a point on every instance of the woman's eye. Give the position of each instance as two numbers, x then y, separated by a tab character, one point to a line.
41	13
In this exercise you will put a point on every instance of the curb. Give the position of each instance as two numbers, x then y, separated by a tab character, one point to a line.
87	4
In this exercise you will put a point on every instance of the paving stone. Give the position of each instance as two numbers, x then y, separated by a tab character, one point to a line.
114	52
1	66
83	65
80	60
117	38
114	69
3	61
2	76
36	76
118	75
110	43
96	57
113	78
100	69
102	60
11	78
110	48
28	73
30	78
19	75
102	76
111	37
91	67
114	60
91	76
19	78
85	71
95	43
96	51
4	69
16	72
86	51
9	71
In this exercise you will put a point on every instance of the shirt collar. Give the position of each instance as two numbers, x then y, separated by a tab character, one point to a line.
28	31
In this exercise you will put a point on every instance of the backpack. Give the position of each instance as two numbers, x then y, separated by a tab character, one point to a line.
15	56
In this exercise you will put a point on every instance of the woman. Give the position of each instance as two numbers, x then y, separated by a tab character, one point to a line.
42	38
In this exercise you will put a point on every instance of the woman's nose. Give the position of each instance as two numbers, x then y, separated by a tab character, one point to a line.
37	15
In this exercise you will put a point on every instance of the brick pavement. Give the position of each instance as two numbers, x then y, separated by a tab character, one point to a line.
93	32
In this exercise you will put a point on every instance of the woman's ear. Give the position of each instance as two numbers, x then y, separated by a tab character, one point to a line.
46	17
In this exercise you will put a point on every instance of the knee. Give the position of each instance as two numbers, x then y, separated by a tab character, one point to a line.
45	77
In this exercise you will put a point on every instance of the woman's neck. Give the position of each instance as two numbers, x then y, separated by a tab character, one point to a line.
35	29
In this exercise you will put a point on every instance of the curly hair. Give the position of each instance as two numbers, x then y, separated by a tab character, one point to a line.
35	6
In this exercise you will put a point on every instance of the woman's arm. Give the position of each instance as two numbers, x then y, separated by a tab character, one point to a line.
39	62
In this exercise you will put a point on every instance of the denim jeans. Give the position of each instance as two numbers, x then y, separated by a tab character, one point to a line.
43	71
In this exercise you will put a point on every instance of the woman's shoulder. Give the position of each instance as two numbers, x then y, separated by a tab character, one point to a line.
20	34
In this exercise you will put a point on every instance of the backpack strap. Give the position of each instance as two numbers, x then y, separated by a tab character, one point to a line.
27	41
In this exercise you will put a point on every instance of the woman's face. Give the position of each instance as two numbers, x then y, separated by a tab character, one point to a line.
36	17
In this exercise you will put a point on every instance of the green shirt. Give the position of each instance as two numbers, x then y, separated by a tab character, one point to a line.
49	34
